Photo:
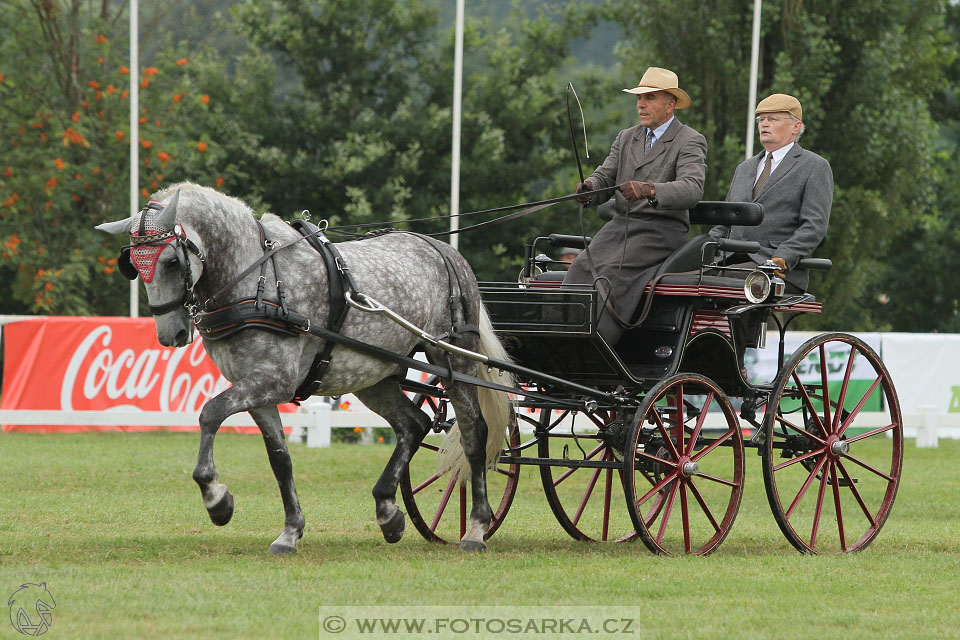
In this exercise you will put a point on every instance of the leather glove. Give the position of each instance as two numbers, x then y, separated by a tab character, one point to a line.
780	263
633	190
586	185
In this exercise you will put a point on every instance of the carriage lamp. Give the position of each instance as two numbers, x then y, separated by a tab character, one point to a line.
757	286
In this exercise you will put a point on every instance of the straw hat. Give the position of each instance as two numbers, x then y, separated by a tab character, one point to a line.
781	102
657	79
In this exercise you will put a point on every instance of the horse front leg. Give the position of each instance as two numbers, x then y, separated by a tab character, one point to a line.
268	419
217	500
410	426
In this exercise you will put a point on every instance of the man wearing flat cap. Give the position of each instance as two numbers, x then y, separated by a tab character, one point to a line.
660	166
795	187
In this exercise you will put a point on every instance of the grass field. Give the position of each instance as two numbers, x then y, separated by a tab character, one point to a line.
114	525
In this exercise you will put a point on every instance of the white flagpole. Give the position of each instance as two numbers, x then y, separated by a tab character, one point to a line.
754	64
134	139
457	106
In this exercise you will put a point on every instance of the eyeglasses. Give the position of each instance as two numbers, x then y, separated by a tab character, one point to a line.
773	118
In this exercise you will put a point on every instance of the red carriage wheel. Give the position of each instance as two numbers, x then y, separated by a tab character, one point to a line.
587	501
439	505
684	480
831	473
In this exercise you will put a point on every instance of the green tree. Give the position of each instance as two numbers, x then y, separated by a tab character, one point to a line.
865	73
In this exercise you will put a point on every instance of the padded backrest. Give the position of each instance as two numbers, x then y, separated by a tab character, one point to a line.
709	212
688	256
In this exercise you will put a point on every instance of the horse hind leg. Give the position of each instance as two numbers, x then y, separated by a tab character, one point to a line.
410	426
268	419
473	438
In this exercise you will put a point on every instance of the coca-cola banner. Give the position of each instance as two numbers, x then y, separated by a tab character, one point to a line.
104	364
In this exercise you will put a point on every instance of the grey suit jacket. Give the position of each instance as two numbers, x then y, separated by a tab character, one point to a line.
675	164
796	203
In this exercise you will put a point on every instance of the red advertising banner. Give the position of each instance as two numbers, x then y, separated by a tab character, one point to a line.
104	364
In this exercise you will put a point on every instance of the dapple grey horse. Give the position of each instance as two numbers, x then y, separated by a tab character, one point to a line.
409	274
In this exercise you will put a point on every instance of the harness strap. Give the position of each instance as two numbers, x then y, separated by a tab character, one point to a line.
339	282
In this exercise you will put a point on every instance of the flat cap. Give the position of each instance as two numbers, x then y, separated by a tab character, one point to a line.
781	102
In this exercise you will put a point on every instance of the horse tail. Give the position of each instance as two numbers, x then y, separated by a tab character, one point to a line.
495	406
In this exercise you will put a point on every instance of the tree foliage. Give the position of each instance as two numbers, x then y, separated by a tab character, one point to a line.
864	72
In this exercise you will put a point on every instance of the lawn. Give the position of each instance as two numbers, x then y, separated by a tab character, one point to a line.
113	524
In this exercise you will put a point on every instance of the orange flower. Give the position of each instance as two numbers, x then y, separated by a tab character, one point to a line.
76	116
36	125
177	97
108	270
202	147
181	62
205	99
51	183
149	72
124	71
43	137
358	429
58	163
101	258
100	38
111	89
48	286
125	93
8	172
164	157
77	176
76	198
93	84
158	123
70	135
47	208
85	104
99	94
96	170
120	135
146	144
220	181
144	84
2	76
100	59
112	261
143	120
41	250
144	193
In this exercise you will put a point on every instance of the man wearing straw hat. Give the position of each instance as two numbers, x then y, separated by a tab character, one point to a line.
660	166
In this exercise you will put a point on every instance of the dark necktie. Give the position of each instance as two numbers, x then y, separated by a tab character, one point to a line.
649	141
763	176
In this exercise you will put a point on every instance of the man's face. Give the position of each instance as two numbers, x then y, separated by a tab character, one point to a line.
777	129
655	108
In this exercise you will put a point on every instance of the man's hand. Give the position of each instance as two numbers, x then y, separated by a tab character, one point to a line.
586	185
633	190
780	263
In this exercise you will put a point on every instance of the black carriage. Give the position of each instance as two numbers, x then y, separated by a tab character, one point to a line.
651	424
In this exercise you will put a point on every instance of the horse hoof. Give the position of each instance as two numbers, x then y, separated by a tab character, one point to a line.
472	545
394	527
221	512
280	548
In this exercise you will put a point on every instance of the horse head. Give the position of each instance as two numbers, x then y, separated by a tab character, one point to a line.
167	255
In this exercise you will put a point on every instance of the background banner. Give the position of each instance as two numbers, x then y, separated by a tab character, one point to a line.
104	364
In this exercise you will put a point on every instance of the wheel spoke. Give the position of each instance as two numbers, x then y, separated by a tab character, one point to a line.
803	432
426	483
806	485
826	387
856	410
713	445
506	472
836	503
666	512
685	517
463	509
678	407
866	466
569	472
429	447
703	504
644	454
718	480
606	504
809	403
867	434
799	459
586	495
443	501
660	485
843	390
856	494
700	420
819	507
663	432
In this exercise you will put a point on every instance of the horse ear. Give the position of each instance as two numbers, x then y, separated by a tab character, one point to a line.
118	227
168	217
